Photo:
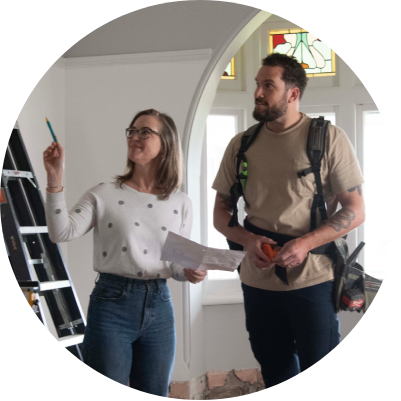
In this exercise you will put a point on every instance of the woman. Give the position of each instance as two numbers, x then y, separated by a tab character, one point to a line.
130	334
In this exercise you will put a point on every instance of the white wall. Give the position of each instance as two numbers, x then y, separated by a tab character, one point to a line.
46	100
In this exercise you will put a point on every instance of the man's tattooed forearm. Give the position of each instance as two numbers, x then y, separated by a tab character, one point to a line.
342	219
358	188
226	200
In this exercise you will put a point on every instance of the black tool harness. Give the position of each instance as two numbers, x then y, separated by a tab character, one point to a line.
315	151
354	289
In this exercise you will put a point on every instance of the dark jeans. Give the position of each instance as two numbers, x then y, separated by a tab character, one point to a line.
130	334
289	331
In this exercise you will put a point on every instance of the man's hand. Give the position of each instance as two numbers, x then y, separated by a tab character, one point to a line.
195	276
254	249
293	253
350	216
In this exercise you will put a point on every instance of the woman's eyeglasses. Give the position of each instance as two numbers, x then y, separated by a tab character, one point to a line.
143	133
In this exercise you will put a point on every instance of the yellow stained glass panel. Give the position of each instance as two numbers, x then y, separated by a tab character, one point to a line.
229	72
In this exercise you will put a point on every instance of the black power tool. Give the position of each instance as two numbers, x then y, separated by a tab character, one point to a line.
352	300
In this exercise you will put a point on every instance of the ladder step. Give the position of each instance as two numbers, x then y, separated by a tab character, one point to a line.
35	261
17	174
33	230
71	340
45	286
53	285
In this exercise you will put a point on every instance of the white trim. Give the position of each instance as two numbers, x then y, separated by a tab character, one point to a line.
140	58
200	107
207	85
195	127
229	298
360	108
359	145
330	108
216	291
186	324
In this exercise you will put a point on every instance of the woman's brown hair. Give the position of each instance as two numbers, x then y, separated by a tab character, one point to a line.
169	173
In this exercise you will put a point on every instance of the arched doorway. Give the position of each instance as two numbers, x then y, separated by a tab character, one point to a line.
201	105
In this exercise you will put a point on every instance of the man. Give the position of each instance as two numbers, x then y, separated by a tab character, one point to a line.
288	300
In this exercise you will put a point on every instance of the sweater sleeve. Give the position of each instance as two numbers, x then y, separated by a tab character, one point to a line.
177	271
65	226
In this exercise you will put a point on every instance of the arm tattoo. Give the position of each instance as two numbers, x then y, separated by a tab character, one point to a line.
226	200
342	219
358	188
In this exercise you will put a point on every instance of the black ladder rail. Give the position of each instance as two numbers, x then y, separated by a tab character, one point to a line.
33	257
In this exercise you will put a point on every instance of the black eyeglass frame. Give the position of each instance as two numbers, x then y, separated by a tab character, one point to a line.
130	132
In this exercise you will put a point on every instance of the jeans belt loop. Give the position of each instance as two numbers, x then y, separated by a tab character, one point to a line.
129	284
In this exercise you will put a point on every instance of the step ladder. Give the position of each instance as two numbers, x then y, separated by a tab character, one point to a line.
36	261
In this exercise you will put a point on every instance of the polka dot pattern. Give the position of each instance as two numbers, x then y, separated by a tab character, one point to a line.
58	211
132	235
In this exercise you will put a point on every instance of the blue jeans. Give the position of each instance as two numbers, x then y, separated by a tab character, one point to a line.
130	334
289	331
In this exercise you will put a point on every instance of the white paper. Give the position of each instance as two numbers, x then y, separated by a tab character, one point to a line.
191	255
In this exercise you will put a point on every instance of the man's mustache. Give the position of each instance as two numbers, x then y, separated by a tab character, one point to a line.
261	102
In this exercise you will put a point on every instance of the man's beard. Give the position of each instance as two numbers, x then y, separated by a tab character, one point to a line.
272	113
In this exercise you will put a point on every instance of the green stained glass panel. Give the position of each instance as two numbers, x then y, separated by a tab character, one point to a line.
315	56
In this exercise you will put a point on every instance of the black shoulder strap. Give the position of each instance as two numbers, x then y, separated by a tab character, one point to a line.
315	151
237	190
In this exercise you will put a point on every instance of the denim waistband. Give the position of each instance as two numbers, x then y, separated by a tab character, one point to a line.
132	282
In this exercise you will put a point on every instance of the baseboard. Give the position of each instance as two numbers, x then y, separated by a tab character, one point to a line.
218	385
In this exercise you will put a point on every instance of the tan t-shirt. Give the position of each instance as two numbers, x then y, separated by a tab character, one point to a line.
281	202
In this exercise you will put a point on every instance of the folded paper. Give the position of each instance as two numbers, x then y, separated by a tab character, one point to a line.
191	255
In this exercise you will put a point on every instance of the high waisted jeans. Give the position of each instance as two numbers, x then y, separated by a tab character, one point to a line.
130	334
289	331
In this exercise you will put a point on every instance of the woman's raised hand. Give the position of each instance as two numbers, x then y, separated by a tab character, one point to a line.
53	159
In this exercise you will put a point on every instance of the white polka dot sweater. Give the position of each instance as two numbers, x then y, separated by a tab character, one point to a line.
130	228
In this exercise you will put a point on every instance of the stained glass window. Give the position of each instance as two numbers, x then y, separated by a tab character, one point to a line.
317	59
229	72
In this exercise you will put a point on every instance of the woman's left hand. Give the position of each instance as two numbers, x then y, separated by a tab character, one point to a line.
195	276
